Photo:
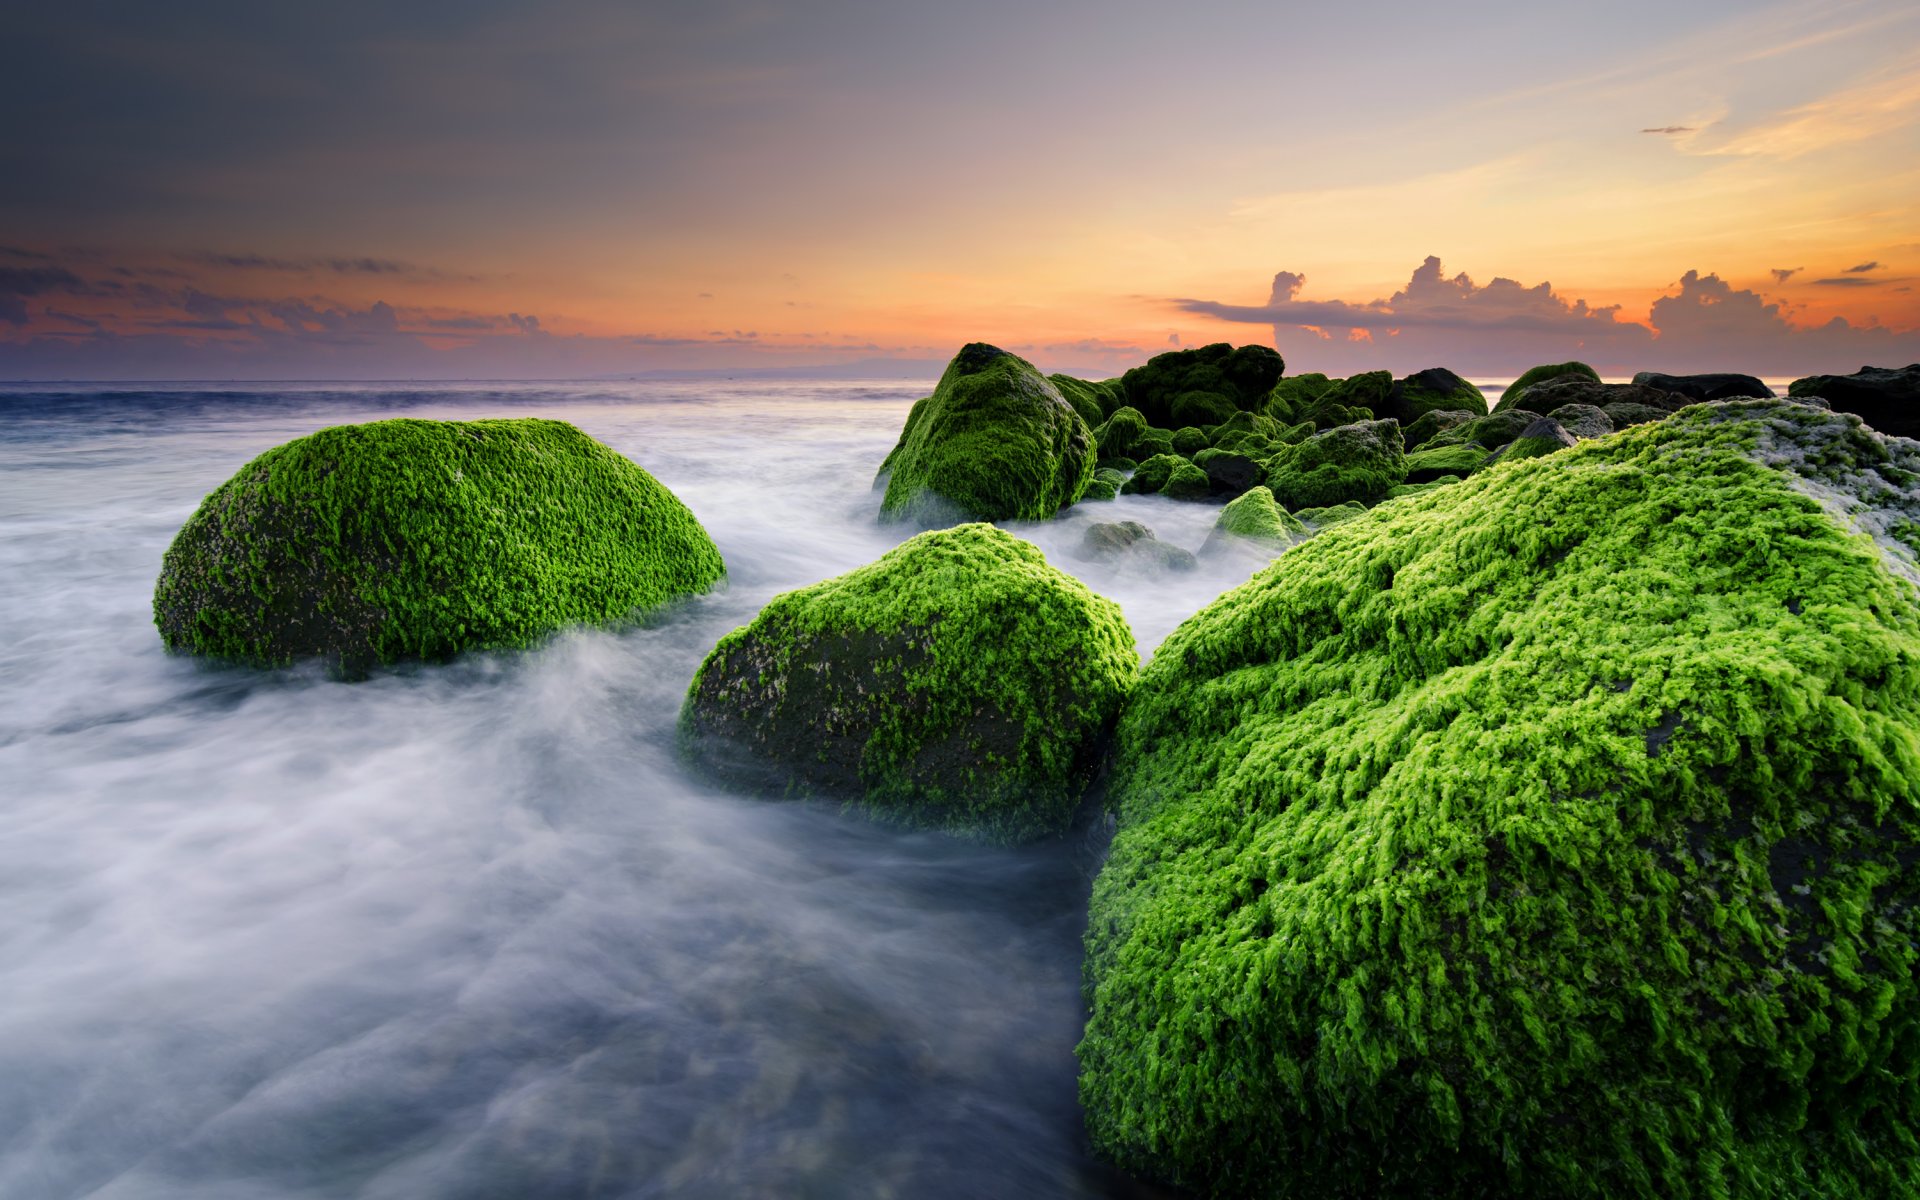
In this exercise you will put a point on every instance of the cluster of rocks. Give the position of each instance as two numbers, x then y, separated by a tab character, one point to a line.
1540	823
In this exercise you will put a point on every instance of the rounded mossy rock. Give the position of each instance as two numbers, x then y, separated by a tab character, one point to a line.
1095	402
957	683
1551	833
1435	389
1202	386
1254	521
1540	438
1152	475
1540	374
1189	440
1356	462
408	539
1433	424
995	442
1425	466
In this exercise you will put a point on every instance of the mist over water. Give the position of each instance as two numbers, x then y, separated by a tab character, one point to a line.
470	930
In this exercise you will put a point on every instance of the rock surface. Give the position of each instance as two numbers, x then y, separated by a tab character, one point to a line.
994	442
1350	462
408	539
1551	394
1432	390
1547	834
1887	398
958	683
1510	398
1711	386
1131	544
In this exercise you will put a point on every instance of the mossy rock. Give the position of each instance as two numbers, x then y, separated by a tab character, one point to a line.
1432	424
1425	466
1352	462
1549	396
1432	390
1152	475
1100	489
1414	489
1117	465
1625	413
407	539
1532	375
994	442
1117	436
1187	482
1190	440
1132	547
1583	421
1553	833
1244	424
959	683
1293	395
1706	387
1334	514
1228	378
1492	431
1254	521
1543	437
1095	402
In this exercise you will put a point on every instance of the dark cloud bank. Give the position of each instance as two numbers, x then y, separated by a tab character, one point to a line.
1502	327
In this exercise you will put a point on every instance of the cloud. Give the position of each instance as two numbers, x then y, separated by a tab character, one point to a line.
1867	110
1782	274
315	264
1502	327
1847	281
1863	268
18	283
1669	129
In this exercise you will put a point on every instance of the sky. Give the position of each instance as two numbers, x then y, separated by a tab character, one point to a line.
210	190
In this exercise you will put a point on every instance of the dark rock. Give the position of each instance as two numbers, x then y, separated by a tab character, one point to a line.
1230	474
1887	398
1432	390
1433	424
1207	384
1547	396
1131	544
1712	386
1625	413
1583	421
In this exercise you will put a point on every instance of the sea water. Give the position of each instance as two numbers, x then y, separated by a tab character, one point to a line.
470	929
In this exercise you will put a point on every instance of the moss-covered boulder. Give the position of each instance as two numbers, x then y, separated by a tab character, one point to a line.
1492	431
1254	522
1425	466
958	683
1349	401
1105	486
1625	413
1432	390
1583	421
1887	398
1292	395
1433	424
1095	402
1356	462
1189	440
409	539
1553	833
1540	374
1117	436
1543	437
1202	386
1550	395
994	442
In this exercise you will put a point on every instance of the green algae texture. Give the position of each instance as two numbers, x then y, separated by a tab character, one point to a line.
1540	374
1255	516
994	442
958	683
408	539
1349	462
1095	402
1552	833
1202	386
1152	475
1425	466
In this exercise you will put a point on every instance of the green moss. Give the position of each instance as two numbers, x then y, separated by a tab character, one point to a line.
1414	489
1117	436
994	442
1322	518
1100	489
1542	437
958	683
1255	516
1152	475
1492	431
1433	424
1423	466
1432	390
1186	482
1225	377
1189	441
1351	462
1549	834
409	539
1095	402
1242	424
1532	375
1290	397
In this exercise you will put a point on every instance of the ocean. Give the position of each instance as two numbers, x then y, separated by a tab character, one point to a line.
470	930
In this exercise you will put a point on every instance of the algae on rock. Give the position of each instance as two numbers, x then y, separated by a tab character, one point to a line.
994	442
412	539
1349	462
958	683
1552	833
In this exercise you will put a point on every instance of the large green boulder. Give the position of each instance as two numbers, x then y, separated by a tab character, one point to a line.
1202	386
1435	389
1254	522
958	683
1095	402
1552	833
407	539
995	442
1540	374
1357	462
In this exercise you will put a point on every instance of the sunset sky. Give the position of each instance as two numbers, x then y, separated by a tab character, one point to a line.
227	190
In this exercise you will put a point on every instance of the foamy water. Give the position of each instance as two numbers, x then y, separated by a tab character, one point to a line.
469	930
